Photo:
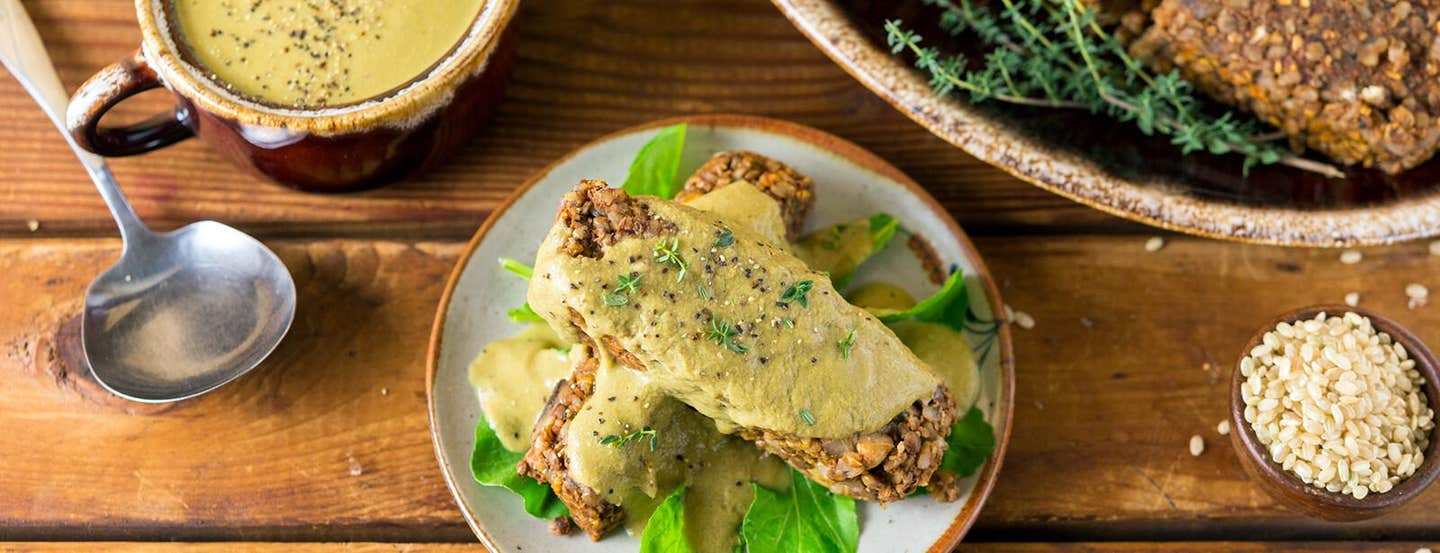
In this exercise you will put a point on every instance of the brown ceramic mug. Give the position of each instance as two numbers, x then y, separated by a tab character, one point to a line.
344	147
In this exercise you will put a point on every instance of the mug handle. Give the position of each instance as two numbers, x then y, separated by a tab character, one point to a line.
105	90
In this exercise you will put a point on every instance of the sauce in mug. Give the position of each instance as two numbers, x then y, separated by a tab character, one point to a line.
316	53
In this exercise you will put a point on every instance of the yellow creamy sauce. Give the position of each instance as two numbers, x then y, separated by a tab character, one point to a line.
687	450
514	377
315	53
743	205
838	249
826	370
944	349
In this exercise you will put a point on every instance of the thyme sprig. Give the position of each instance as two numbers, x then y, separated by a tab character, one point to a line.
1054	53
670	253
846	344
797	293
724	333
620	441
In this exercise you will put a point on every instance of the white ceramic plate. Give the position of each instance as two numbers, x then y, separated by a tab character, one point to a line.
850	183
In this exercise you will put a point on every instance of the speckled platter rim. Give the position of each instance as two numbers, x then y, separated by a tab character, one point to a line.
1079	179
1003	411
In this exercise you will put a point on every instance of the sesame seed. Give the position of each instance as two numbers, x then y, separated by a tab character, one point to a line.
1154	244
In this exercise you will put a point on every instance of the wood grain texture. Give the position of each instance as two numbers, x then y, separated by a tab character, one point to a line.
586	68
240	547
1195	547
328	440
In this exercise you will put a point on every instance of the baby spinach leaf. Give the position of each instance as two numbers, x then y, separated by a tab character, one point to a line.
882	229
971	442
655	171
805	518
948	306
493	465
520	269
665	532
522	314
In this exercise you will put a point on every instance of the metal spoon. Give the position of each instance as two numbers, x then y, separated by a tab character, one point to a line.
182	312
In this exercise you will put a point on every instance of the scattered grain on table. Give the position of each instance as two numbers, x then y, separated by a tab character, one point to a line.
1154	244
1352	299
1417	293
33	225
1351	257
1020	318
1197	445
1223	428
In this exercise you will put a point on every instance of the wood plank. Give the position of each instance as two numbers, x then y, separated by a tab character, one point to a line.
585	69
328	440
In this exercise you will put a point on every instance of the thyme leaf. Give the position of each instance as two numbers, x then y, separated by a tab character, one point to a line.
724	333
620	441
670	253
796	293
846	344
726	238
808	417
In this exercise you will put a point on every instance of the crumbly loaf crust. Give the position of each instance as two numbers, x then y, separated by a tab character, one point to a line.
1354	79
546	462
794	191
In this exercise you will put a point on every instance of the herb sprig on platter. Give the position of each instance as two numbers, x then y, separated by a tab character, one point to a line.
1056	54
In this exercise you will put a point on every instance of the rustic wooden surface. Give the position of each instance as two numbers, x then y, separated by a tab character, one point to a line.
328	442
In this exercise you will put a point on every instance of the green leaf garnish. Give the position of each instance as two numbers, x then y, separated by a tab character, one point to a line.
846	344
948	306
806	518
655	170
726	238
724	333
808	417
520	269
842	248
665	531
670	253
493	465
882	229
971	441
524	314
797	293
704	292
620	441
613	299
628	283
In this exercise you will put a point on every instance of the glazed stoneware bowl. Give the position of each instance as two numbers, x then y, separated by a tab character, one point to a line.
850	183
331	149
1113	167
1288	489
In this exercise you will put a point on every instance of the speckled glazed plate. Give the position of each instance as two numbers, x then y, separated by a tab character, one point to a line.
1112	167
850	183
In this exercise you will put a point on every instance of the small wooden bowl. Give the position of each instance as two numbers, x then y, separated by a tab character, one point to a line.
1287	488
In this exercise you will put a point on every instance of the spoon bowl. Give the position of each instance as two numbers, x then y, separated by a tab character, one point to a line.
1287	488
184	312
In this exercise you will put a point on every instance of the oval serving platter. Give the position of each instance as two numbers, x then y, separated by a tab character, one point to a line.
850	183
1114	168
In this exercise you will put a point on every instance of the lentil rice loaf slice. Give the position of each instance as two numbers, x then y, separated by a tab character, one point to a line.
886	465
545	461
795	192
1353	79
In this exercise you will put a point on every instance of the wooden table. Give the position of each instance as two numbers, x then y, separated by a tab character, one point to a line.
326	447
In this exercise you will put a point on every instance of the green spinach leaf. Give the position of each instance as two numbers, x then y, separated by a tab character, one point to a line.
971	442
948	306
807	518
493	465
665	532
655	171
522	314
